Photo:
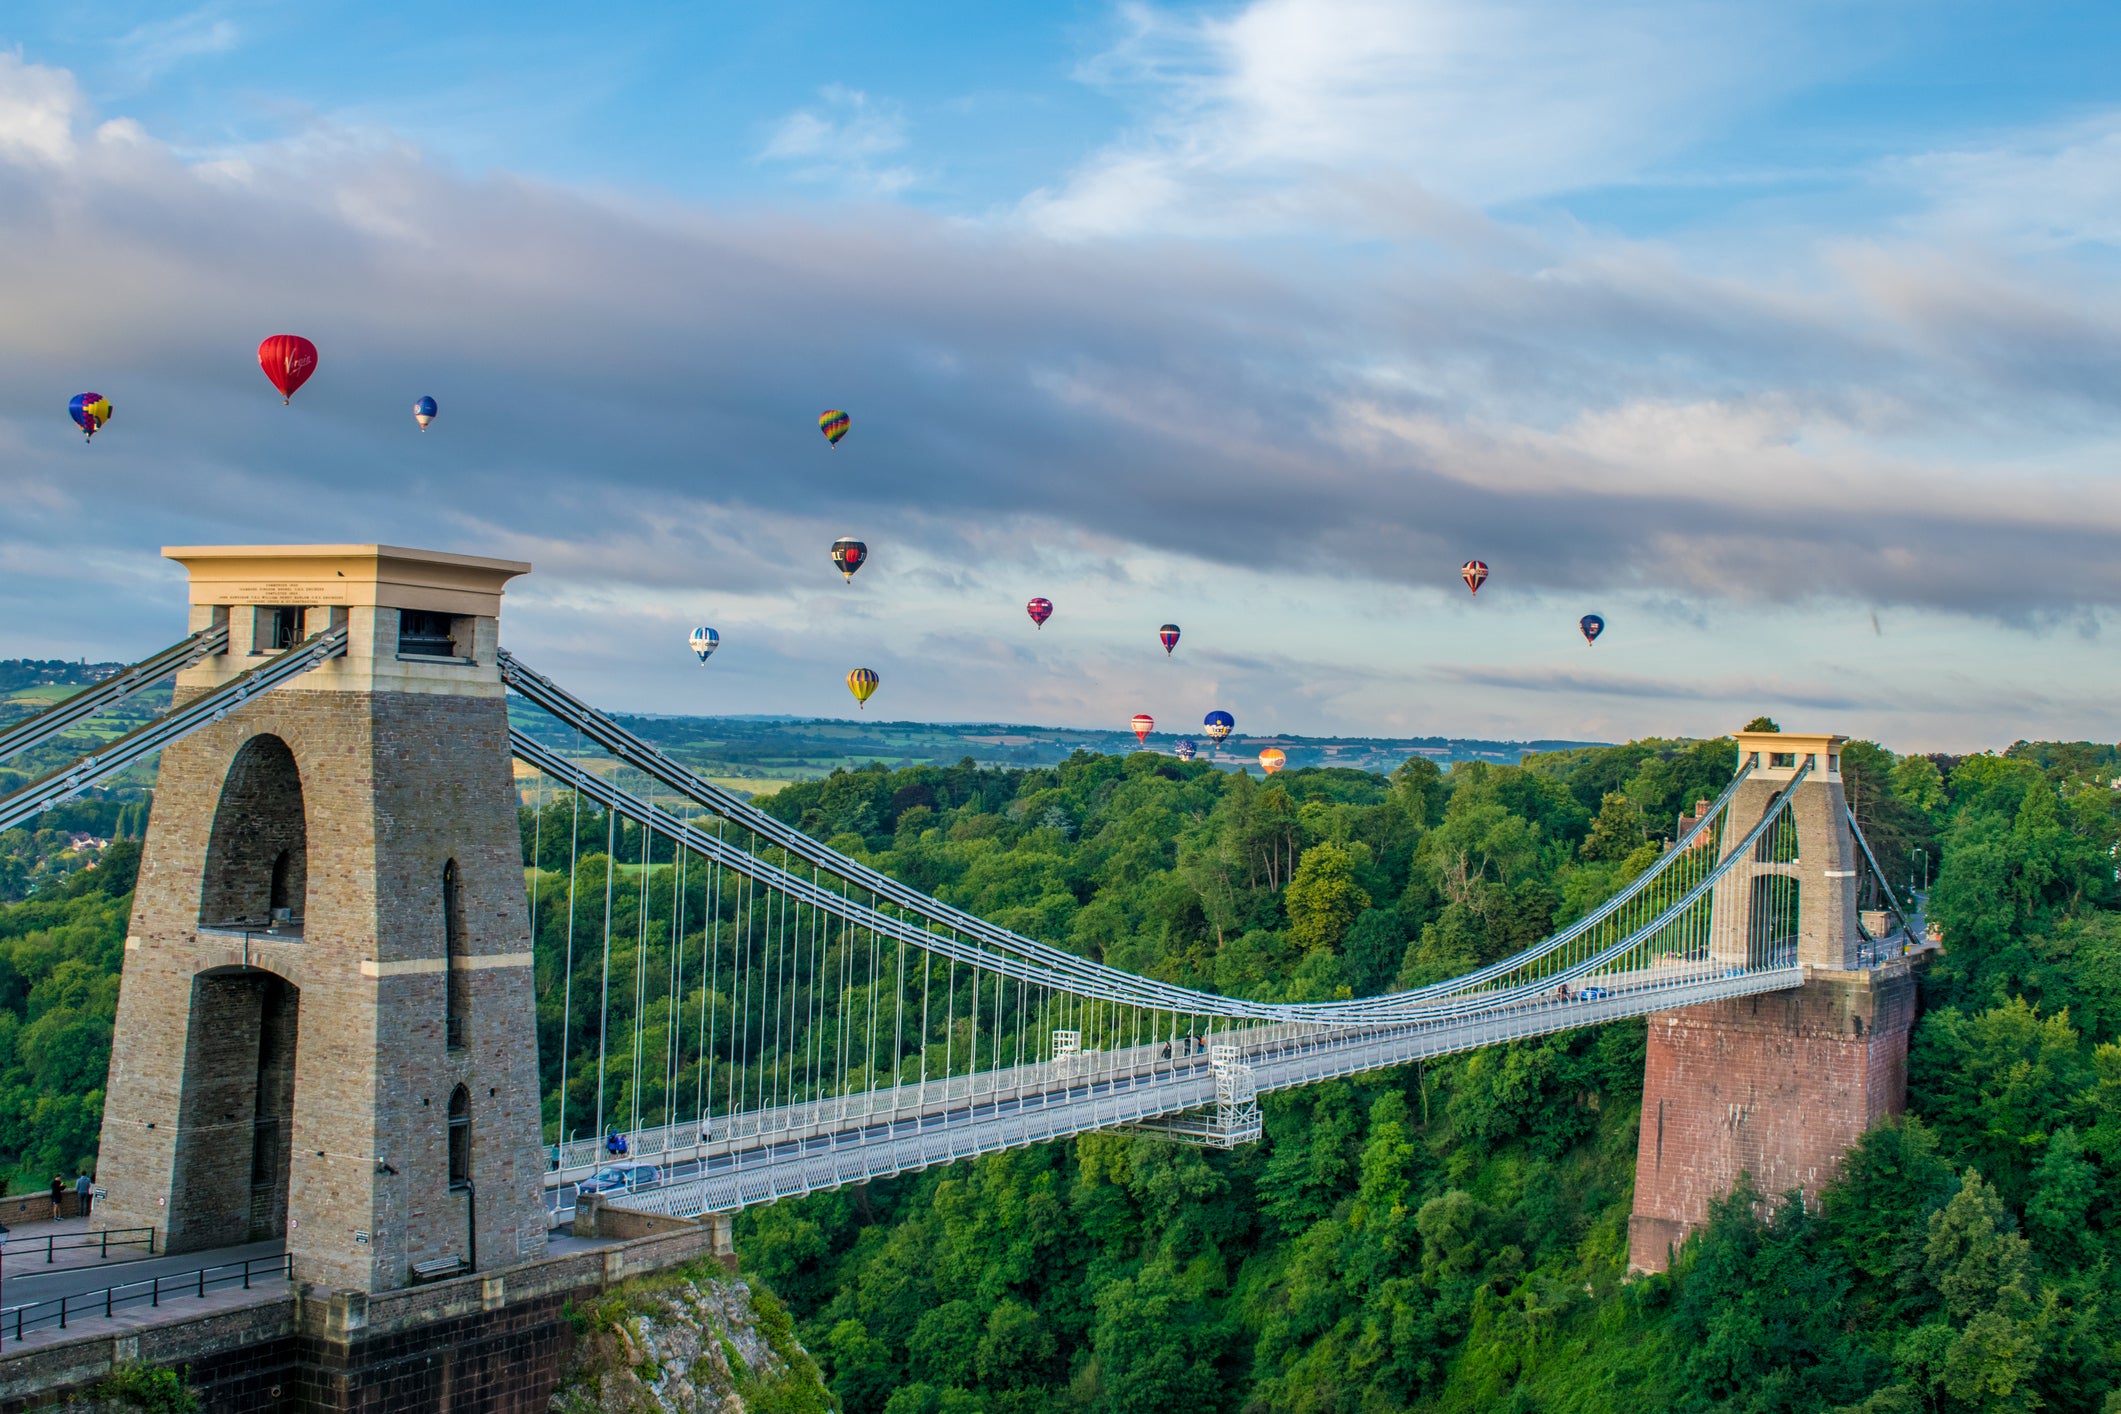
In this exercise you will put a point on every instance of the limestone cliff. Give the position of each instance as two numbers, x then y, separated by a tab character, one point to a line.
693	1340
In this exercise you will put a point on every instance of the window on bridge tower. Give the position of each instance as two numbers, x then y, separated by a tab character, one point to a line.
278	628
459	1139
424	634
455	954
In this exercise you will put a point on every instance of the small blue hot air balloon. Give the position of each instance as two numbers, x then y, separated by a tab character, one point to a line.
1218	725
704	641
423	412
1592	626
1186	750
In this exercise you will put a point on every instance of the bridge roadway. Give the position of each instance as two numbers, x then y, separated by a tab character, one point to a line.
764	1156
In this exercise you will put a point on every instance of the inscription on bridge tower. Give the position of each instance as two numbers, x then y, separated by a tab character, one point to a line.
325	1023
1779	1085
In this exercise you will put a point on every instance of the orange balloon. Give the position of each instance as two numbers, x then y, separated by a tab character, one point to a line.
1273	759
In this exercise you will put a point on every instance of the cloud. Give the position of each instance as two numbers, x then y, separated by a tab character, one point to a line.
150	50
37	109
1288	448
1403	115
843	142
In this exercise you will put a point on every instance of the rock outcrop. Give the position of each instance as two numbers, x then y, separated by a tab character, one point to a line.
690	1341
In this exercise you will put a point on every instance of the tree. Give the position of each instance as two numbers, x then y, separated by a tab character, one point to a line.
1762	724
1323	899
1617	830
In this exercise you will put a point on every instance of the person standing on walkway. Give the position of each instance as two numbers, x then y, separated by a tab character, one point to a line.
58	1196
85	1191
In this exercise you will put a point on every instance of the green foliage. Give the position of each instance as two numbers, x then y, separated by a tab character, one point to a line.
59	958
136	1386
1453	1236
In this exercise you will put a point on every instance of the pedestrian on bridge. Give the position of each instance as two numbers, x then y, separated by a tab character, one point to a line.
58	1195
84	1192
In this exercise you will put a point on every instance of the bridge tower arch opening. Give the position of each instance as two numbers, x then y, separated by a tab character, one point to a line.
1777	1086
235	1110
337	863
257	857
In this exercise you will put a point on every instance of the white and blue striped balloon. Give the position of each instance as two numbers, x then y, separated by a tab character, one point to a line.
704	641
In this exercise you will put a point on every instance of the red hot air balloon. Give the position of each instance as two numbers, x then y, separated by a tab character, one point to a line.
1474	573
1143	724
288	360
1040	610
1168	635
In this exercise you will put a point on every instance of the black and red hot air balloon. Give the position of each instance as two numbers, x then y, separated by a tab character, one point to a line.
849	555
1474	573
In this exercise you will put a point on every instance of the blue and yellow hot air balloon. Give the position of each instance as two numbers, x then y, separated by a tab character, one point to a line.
862	683
1218	725
834	425
90	411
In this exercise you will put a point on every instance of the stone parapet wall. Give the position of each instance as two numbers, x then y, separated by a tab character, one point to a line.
480	1344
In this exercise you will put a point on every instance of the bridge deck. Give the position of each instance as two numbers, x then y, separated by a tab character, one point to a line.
801	1150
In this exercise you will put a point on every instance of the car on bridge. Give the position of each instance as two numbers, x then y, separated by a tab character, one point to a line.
621	1178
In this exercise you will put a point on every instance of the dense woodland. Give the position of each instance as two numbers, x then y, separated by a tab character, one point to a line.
1443	1237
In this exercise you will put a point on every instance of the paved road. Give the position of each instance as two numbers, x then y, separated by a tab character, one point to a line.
19	1286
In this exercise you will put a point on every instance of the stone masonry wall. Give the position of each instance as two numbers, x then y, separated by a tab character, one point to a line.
1777	1086
470	1345
393	786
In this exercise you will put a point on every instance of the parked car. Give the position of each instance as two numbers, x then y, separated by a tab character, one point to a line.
621	1178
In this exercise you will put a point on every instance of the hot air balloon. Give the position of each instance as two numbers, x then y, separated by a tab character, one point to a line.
1272	759
862	683
704	641
288	360
423	412
1185	750
90	411
1592	626
1040	610
850	555
834	425
1143	724
1169	634
1218	725
1474	573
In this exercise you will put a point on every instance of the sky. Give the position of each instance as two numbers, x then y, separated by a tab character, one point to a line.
1785	336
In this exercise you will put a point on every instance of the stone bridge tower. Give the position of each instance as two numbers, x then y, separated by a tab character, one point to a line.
1779	1085
325	1022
